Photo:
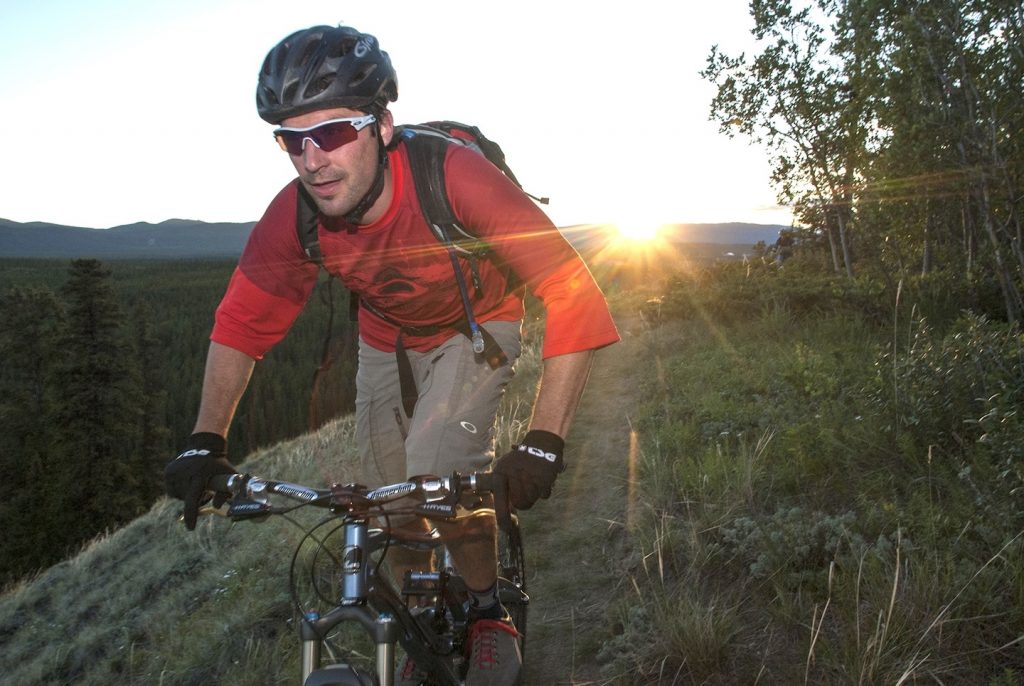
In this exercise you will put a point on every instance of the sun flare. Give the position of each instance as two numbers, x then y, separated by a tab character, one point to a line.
639	232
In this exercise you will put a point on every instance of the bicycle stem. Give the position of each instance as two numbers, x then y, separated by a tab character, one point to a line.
353	563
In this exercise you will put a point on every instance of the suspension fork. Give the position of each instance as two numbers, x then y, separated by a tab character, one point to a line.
383	629
352	606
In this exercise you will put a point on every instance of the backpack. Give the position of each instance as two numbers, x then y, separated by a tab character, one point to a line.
427	145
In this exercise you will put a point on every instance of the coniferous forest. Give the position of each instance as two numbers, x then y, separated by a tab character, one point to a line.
102	369
804	465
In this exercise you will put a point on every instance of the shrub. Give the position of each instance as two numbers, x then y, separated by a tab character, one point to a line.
795	547
955	399
731	292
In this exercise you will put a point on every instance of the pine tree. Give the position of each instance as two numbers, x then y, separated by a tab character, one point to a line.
98	410
154	448
28	346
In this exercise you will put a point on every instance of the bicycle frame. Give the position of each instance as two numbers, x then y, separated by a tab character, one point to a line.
430	635
368	599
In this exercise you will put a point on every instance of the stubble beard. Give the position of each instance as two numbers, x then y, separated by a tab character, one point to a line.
339	204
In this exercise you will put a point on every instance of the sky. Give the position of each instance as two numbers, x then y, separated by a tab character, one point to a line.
120	111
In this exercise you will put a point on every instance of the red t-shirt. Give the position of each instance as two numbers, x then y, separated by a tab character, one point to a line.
399	267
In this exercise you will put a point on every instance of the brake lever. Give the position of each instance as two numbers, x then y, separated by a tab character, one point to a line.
502	505
436	510
221	511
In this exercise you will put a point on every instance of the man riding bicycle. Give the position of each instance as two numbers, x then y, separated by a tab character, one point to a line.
328	90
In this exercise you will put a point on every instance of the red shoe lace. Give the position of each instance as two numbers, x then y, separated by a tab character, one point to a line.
408	669
484	641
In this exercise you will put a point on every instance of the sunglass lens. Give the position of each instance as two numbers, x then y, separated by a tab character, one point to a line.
289	142
327	137
333	136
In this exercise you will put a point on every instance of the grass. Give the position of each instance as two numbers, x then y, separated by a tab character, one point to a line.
794	496
803	525
154	604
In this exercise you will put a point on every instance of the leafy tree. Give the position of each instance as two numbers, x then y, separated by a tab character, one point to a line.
895	128
795	98
950	101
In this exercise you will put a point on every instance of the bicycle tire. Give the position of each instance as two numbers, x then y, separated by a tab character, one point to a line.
339	675
512	578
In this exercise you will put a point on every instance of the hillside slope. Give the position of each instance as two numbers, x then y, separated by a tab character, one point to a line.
152	603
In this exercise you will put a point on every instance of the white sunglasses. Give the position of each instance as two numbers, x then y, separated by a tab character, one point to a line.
327	135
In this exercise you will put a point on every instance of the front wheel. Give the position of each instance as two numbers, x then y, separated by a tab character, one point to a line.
512	578
339	675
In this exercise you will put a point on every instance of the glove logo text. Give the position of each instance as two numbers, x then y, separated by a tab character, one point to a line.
537	452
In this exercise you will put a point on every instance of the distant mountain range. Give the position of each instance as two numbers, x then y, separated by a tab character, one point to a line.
589	239
183	238
174	238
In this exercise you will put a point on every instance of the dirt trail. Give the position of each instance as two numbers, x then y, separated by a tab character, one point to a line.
575	539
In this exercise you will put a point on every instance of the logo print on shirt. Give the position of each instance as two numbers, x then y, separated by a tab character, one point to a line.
392	282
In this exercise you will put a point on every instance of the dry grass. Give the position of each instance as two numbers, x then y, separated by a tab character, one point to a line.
774	548
154	604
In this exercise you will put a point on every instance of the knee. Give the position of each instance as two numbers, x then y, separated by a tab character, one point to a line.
476	528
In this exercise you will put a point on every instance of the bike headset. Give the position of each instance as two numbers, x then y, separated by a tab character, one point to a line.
325	67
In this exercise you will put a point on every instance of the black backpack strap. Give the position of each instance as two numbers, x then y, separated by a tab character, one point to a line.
307	221
427	149
426	159
493	354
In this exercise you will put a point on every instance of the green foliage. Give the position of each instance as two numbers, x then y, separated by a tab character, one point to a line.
154	604
151	373
100	385
71	419
893	130
790	456
736	292
94	457
956	399
33	321
792	546
939	297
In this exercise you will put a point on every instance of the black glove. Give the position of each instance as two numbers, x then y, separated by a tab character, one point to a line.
532	467
185	478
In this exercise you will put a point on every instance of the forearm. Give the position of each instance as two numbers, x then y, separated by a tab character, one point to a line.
563	380
225	380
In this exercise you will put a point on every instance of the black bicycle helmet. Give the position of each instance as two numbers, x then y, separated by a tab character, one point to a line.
325	67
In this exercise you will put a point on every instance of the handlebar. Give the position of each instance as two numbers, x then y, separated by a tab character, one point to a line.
440	495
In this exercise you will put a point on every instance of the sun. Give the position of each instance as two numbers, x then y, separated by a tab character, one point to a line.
638	232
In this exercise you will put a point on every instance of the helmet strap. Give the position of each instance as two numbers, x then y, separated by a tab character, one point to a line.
355	215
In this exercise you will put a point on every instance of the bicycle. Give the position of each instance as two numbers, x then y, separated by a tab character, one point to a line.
428	617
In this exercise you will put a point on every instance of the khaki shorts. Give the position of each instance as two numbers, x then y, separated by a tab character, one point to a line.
452	428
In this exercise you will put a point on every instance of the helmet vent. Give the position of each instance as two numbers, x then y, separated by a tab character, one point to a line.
340	48
319	86
362	75
270	97
289	92
309	52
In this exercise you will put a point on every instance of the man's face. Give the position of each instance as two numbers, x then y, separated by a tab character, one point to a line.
338	179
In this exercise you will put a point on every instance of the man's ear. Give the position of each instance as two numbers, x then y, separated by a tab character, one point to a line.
387	126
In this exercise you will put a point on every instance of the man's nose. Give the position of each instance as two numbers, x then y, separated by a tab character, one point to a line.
313	157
